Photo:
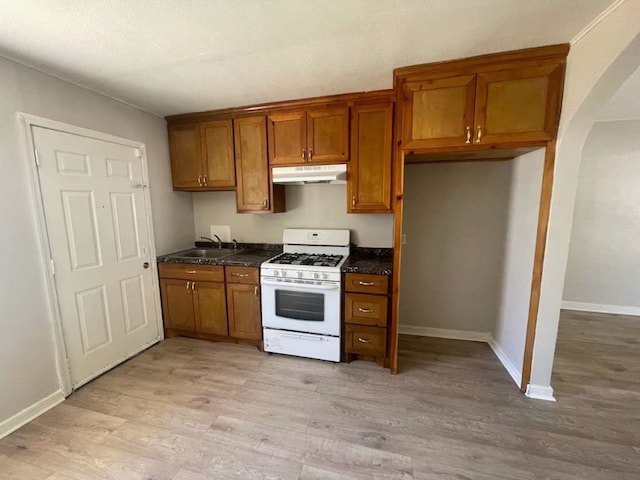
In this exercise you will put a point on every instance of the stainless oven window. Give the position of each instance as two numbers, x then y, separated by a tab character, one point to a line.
300	305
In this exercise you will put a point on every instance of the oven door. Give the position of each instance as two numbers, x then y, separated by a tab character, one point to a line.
310	308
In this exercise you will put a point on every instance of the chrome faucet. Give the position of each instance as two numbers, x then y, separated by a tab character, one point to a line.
217	240
235	243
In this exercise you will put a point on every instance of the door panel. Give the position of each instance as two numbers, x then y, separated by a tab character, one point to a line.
243	303
186	156
518	104
217	154
96	218
287	138
211	308
328	135
438	112
177	302
369	183
252	168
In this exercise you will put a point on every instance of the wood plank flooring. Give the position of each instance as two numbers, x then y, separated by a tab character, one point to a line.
192	410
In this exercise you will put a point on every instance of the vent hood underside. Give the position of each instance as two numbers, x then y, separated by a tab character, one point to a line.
303	175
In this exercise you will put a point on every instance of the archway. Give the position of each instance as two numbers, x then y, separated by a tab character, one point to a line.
601	59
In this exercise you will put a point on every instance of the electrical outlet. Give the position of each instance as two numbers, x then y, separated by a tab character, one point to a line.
404	238
223	231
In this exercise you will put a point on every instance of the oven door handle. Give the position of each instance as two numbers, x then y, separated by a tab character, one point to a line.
302	337
308	286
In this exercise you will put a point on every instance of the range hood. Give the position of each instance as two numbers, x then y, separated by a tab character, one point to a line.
331	174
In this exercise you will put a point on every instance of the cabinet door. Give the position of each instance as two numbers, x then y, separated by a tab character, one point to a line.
217	154
177	304
328	135
518	104
252	169
243	305
210	308
438	112
287	138
369	184
186	158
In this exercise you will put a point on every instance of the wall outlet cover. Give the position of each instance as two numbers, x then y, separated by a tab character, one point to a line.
223	231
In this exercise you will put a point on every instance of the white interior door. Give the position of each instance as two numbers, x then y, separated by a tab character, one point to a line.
96	217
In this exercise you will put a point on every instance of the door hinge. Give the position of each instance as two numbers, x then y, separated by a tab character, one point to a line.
37	155
53	266
138	152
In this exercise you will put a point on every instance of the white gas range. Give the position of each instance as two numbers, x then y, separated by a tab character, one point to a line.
301	299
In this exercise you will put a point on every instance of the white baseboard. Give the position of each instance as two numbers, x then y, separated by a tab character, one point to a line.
469	335
25	416
601	308
515	372
540	392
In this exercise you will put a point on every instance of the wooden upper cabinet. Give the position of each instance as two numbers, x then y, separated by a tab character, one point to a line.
217	154
186	159
287	138
518	104
202	156
369	184
438	111
328	135
300	137
254	192
503	100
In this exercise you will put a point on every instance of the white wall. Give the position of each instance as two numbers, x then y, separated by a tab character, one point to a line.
27	361
598	63
455	220
604	254
510	330
308	206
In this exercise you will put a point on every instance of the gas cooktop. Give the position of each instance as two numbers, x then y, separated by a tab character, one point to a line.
316	260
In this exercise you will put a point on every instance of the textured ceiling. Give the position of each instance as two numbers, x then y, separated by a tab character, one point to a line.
170	56
625	104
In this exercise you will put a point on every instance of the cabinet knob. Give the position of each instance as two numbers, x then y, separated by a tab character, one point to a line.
265	204
353	202
200	180
205	181
255	291
310	154
468	135
479	136
304	155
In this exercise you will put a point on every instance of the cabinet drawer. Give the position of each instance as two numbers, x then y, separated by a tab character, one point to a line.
366	309
189	271
363	283
249	275
366	340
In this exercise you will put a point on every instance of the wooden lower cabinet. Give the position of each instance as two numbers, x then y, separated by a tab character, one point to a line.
366	316
243	303
195	306
210	308
177	304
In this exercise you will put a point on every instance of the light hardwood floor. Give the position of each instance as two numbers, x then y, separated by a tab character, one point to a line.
193	410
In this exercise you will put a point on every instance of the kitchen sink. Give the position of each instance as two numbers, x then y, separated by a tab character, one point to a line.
205	253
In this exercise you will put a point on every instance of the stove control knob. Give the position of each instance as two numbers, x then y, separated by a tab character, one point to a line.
276	273
325	276
299	274
316	275
284	274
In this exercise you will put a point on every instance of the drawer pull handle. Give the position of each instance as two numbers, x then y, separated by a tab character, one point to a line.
188	285
242	275
365	310
362	340
191	271
367	284
255	291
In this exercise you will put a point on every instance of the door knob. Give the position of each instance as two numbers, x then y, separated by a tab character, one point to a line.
145	265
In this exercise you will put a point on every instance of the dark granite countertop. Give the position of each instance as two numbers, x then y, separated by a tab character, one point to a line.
248	255
376	261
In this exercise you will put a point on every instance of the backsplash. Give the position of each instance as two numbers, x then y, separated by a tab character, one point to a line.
308	206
